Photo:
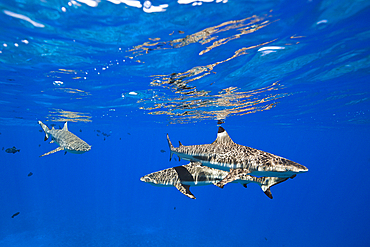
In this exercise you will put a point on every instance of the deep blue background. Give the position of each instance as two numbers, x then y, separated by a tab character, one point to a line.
96	199
320	119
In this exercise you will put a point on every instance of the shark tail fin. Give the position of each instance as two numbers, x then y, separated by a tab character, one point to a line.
171	146
46	130
180	145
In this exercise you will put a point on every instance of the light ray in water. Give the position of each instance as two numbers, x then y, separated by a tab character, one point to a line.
202	105
244	26
25	18
59	115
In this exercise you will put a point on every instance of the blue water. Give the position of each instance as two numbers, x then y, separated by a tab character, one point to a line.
287	77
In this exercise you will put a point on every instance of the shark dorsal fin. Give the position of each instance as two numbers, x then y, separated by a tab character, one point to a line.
180	144
222	137
65	127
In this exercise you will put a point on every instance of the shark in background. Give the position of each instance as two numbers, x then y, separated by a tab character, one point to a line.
195	174
66	140
237	159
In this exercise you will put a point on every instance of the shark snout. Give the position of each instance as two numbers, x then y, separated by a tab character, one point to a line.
146	179
302	168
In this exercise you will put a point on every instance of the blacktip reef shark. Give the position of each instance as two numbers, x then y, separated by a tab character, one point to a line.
239	160
195	174
66	140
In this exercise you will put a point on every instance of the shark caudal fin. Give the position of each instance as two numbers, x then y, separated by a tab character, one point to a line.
45	128
170	146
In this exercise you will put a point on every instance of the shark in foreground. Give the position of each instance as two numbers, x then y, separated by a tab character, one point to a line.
66	140
195	174
239	160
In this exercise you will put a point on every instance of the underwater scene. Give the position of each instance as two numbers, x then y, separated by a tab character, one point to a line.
184	123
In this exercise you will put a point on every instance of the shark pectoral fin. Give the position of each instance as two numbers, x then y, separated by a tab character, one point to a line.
274	181
185	189
268	193
233	175
245	185
266	190
53	151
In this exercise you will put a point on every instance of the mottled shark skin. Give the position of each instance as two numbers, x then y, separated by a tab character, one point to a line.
239	160
195	174
66	140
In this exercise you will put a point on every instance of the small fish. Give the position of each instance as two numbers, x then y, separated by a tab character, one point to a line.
105	134
163	151
12	150
30	174
15	214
